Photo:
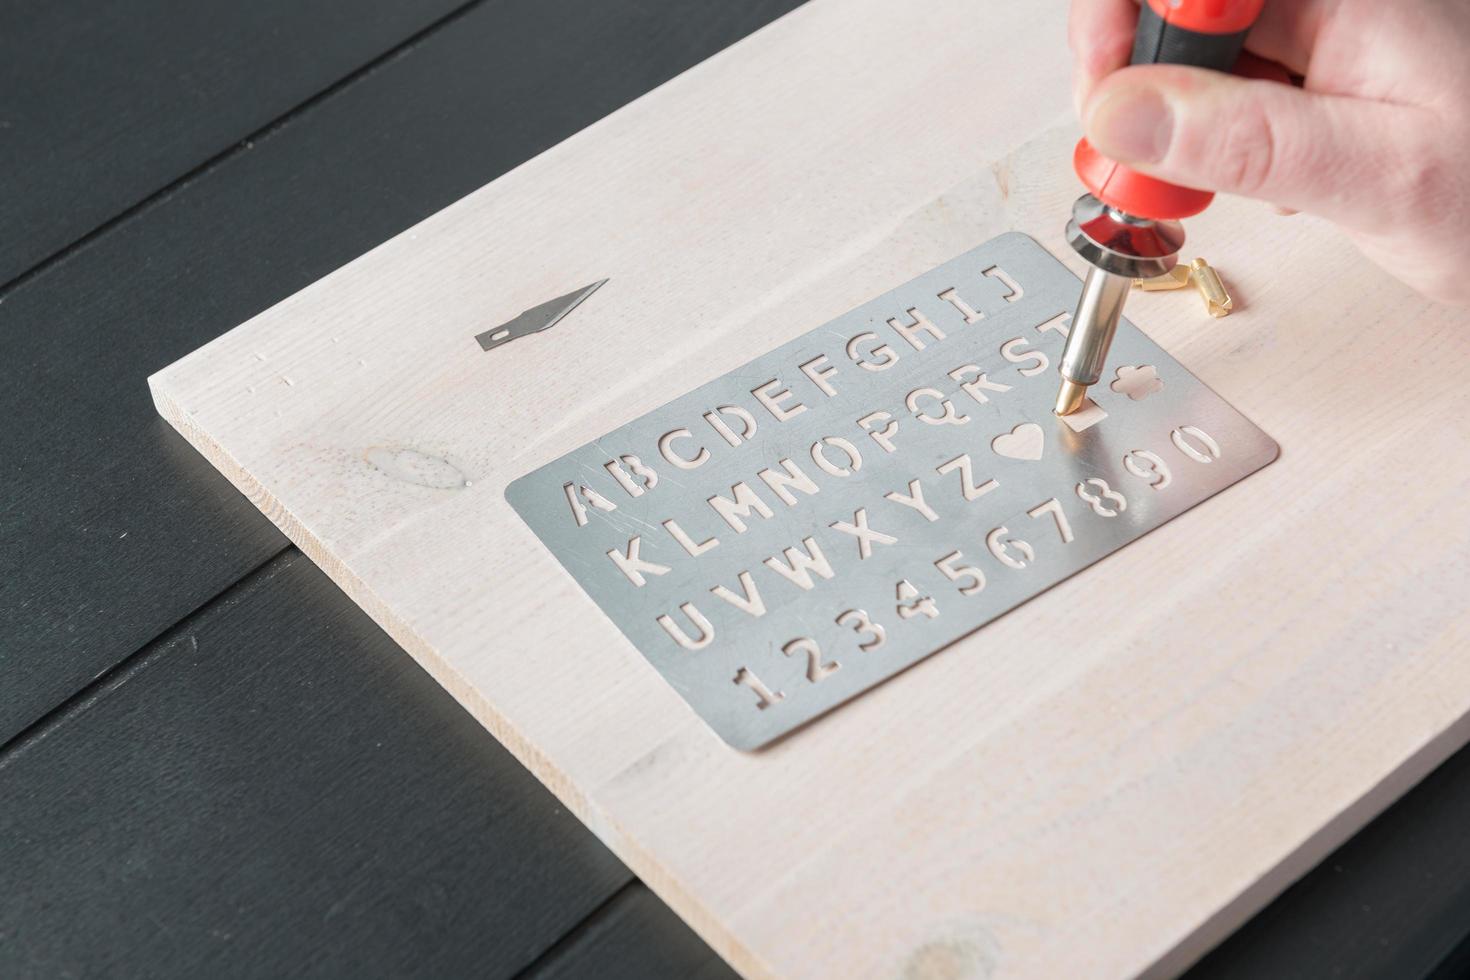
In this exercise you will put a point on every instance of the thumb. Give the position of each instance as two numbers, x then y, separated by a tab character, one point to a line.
1338	156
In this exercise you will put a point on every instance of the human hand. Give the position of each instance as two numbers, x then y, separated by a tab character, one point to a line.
1376	139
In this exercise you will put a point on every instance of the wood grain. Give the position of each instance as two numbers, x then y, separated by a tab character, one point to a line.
1106	781
273	789
111	529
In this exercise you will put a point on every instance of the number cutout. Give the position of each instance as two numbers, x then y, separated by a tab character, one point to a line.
1054	508
957	573
765	697
1195	443
1000	547
862	625
1098	501
1147	466
913	603
815	669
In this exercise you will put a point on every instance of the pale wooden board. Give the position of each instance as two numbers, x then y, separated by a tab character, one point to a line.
1103	782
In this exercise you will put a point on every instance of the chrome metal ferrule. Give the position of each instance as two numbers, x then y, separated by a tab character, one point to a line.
1099	309
1118	248
1119	243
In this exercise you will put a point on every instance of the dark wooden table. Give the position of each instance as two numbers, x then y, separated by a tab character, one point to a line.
212	763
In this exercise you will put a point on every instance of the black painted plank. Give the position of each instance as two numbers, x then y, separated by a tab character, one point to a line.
274	789
102	104
633	937
1392	902
1456	966
110	528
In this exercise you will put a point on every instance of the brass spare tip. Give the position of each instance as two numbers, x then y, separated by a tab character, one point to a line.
1071	397
1175	278
1211	289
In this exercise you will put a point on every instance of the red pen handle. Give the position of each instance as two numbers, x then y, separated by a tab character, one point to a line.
1200	33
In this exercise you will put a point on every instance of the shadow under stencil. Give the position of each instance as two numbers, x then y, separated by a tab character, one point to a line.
796	531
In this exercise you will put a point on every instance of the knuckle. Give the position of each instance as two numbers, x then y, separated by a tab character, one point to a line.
1248	149
1421	184
1423	180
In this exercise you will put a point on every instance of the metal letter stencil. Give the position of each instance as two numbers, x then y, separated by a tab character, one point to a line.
790	534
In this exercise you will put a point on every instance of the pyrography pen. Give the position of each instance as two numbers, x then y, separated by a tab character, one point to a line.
1127	225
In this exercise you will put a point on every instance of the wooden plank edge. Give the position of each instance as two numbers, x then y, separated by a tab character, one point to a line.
1313	850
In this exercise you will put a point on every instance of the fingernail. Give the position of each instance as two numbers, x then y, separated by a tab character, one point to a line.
1133	124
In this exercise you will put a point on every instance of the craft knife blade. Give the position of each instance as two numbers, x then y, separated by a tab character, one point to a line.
537	318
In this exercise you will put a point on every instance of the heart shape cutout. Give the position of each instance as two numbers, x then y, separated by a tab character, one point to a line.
1025	441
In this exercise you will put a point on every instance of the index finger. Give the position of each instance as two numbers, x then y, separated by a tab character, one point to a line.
1100	33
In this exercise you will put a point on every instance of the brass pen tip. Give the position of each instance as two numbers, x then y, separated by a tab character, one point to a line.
1071	397
1217	300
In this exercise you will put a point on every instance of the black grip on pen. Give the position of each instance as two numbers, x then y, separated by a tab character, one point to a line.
1159	43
